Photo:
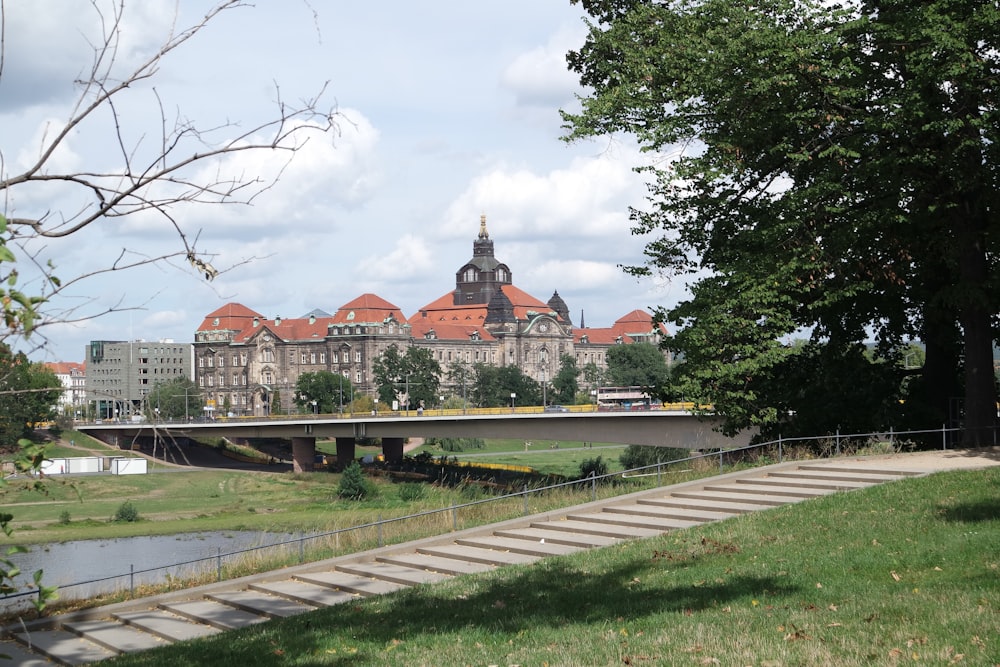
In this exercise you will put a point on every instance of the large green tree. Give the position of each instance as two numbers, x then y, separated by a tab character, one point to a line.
565	384
494	385
637	365
331	391
177	399
28	394
833	169
411	378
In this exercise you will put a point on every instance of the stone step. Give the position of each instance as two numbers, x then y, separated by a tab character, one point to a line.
854	469
114	635
593	528
217	614
263	604
440	564
652	508
477	555
701	504
538	533
20	656
532	547
163	624
753	486
64	647
351	583
660	524
833	475
826	486
306	593
753	503
407	576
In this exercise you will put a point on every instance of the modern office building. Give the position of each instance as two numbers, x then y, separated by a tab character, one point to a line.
120	374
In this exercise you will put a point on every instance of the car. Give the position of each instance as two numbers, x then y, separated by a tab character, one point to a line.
556	408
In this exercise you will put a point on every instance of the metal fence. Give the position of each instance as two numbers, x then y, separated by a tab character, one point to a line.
766	452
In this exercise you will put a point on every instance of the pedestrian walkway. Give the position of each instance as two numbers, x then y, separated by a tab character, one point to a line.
97	634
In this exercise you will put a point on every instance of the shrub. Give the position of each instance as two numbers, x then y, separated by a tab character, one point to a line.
64	518
411	491
593	467
127	512
638	456
353	485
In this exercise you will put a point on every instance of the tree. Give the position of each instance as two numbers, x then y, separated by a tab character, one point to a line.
637	365
331	391
177	399
564	384
833	169
154	165
493	386
151	167
28	395
411	379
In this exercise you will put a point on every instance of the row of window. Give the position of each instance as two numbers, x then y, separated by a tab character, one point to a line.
267	357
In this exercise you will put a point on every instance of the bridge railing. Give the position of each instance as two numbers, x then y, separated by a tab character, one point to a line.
335	542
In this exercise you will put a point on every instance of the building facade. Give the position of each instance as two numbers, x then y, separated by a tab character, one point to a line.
120	374
73	377
245	362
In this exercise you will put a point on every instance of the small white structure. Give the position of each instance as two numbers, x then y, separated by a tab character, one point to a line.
77	464
123	466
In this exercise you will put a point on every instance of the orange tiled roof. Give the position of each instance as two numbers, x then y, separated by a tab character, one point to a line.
629	327
443	310
367	308
230	317
65	367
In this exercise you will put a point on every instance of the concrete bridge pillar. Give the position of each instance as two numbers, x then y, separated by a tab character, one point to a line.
392	449
303	454
345	452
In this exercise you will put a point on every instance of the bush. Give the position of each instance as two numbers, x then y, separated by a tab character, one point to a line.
411	491
353	485
639	456
127	512
64	518
593	467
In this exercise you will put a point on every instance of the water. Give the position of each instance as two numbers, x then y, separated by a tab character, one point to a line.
106	566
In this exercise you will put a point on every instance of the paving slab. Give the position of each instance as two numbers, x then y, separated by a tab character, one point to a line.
826	485
702	504
645	508
818	473
301	591
476	555
166	625
407	576
217	614
539	532
436	563
262	603
530	547
662	524
753	503
752	486
13	654
590	528
65	647
115	635
351	583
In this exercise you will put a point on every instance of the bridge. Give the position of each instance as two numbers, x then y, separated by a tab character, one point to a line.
655	428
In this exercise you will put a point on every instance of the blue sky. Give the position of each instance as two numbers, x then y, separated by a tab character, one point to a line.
449	110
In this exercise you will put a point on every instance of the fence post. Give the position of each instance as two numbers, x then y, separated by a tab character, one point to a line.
218	563
890	437
944	436
720	461
525	500
781	451
131	580
302	548
593	486
838	442
454	518
659	467
379	529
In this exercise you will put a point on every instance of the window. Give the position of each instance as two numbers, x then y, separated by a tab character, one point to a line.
357	356
211	362
357	377
303	358
322	357
312	357
267	354
335	358
222	380
236	360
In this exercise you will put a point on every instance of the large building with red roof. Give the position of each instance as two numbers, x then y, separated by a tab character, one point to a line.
243	358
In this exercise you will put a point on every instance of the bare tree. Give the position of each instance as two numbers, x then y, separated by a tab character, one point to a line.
153	174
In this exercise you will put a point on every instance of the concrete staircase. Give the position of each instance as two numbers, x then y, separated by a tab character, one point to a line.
97	634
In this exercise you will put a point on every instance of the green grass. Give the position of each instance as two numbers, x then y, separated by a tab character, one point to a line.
907	572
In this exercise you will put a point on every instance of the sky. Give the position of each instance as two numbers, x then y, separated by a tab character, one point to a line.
448	110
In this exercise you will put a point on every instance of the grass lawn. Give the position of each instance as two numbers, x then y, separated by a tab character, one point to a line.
907	572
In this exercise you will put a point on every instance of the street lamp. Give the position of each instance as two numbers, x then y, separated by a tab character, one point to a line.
512	397
315	409
375	410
